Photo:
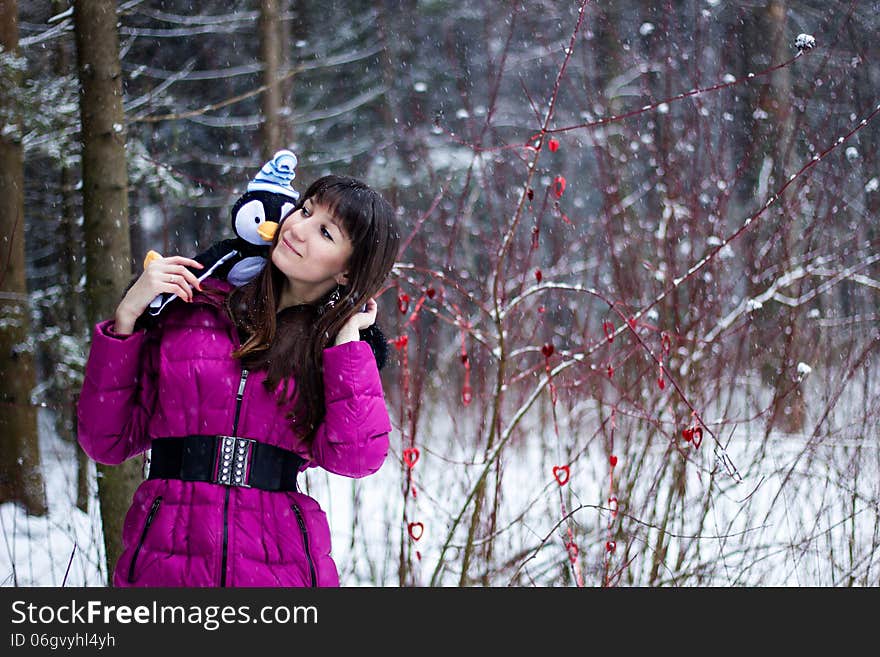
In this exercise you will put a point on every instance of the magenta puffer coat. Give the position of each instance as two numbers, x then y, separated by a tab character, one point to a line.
179	379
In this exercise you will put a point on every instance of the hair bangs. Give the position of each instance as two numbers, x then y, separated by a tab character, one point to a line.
351	204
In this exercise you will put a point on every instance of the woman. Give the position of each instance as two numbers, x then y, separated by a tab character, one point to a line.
237	391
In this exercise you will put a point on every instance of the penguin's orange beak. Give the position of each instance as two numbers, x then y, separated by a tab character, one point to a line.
267	230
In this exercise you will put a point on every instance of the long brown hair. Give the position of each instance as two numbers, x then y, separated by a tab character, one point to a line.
290	344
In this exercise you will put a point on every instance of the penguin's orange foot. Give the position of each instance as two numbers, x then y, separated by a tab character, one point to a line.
151	255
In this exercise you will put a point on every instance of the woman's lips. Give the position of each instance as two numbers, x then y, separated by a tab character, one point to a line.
290	246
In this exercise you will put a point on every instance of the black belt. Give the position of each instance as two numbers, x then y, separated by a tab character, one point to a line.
225	460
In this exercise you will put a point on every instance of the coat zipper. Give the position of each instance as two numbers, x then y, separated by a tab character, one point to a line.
238	397
140	544
305	535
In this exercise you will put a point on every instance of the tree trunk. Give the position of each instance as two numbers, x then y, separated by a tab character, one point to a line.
270	53
287	29
105	210
70	255
771	155
789	416
20	477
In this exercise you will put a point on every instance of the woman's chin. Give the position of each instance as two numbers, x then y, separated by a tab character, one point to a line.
282	260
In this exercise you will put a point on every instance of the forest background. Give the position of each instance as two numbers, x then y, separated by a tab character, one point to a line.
634	320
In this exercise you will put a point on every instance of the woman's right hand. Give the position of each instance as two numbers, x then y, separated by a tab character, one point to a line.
160	276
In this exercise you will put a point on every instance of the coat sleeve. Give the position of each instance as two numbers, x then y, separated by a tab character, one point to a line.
353	438
118	394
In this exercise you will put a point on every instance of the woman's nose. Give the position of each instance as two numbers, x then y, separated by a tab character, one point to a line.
296	229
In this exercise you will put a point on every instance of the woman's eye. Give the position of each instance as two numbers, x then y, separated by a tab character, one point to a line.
326	232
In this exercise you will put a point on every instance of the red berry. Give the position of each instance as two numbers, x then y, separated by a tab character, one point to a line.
559	186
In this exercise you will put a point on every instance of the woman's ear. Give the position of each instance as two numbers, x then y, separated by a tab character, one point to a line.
342	278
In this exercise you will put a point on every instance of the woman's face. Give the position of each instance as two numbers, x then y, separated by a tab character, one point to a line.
312	251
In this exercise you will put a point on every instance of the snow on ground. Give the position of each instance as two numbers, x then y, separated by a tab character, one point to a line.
806	513
36	551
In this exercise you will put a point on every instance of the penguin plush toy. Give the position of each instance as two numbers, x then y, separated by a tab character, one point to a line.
255	216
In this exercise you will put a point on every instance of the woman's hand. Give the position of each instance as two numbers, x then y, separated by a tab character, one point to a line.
350	331
160	276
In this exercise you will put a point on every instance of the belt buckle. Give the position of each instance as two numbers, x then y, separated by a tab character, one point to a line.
234	458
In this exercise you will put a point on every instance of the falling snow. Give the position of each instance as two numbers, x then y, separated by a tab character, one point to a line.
657	276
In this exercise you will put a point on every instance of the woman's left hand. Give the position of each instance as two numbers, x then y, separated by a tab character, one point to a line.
360	320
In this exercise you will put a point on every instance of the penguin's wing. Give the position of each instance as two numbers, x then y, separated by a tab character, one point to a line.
215	257
212	259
